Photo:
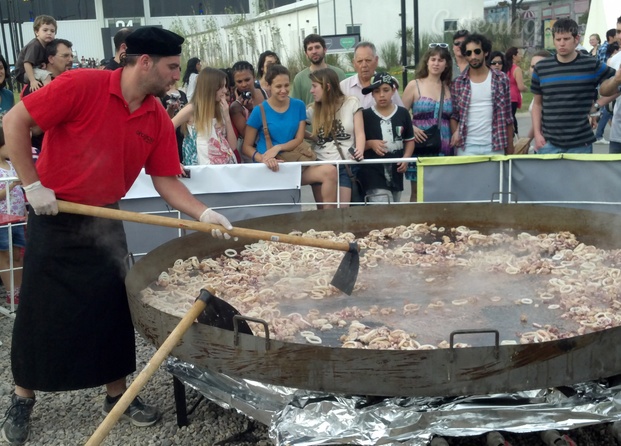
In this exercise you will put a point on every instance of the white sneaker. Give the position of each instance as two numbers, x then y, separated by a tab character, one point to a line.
601	141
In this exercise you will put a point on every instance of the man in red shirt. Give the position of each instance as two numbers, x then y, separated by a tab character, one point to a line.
73	329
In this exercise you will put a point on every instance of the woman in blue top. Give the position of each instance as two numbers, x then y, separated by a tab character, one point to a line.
286	122
7	100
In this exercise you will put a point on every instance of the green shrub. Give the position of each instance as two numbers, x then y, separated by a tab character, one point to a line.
389	54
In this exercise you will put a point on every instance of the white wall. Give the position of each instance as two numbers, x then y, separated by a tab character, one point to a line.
84	34
226	39
380	24
281	30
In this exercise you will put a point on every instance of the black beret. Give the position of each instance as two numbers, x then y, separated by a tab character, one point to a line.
153	41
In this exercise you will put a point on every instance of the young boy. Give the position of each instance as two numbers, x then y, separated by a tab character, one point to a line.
390	134
32	56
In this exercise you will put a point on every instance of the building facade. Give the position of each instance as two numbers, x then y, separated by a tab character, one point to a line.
223	31
535	18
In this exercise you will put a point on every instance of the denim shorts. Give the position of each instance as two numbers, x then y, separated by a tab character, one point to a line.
19	241
344	180
614	147
550	148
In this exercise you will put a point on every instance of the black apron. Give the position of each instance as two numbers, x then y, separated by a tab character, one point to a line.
73	328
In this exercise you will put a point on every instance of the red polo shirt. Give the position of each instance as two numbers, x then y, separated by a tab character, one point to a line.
93	148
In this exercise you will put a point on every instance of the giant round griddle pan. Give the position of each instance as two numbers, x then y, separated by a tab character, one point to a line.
442	372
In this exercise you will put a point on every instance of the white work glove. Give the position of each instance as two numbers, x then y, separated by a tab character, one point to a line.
42	199
209	216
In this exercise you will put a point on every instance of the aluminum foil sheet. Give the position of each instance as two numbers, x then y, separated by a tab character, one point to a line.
302	418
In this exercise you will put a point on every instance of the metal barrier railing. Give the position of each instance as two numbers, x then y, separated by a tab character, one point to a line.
11	221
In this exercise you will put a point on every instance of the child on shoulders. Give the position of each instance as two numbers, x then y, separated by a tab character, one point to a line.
32	56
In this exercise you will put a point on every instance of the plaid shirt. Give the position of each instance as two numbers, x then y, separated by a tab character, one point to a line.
461	93
601	52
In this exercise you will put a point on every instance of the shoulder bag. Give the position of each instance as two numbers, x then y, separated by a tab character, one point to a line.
433	144
303	152
357	190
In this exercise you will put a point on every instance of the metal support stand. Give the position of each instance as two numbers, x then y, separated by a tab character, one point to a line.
180	402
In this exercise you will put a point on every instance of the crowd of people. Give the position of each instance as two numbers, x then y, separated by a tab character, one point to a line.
106	125
460	103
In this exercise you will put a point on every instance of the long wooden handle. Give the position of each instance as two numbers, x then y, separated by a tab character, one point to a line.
115	214
141	380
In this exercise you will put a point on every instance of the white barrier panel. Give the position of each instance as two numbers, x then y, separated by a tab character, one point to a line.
238	191
587	181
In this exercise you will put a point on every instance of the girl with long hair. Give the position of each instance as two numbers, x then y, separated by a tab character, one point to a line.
7	100
189	77
422	95
266	59
513	56
336	117
286	123
208	121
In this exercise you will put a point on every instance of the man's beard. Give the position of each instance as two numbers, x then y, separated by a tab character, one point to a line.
477	64
319	61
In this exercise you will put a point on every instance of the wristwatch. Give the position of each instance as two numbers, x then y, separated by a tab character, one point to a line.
597	112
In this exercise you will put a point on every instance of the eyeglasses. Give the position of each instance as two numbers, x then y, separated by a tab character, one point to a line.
475	51
496	62
457	42
441	45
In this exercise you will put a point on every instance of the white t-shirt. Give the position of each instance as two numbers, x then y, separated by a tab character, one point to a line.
615	131
191	86
480	113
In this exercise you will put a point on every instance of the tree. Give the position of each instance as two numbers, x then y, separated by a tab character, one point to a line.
515	4
516	24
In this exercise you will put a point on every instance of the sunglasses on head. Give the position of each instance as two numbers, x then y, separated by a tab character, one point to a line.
441	45
475	51
495	62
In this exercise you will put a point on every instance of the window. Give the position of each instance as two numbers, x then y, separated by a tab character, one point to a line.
59	9
266	5
165	8
122	8
450	25
355	29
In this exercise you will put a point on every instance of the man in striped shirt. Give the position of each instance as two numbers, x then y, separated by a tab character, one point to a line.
564	88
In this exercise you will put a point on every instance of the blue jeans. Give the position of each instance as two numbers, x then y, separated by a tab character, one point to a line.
478	149
603	120
549	148
614	147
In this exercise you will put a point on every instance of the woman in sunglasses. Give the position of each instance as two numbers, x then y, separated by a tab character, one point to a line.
422	95
516	81
497	61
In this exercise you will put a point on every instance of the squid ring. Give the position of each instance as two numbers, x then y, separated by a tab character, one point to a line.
230	252
313	339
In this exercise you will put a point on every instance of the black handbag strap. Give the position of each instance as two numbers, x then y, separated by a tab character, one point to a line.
338	147
439	118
